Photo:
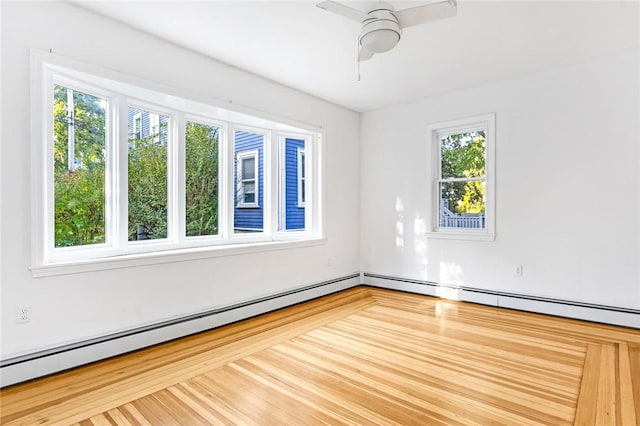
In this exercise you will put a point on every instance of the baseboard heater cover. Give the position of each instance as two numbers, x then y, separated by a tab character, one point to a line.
27	367
614	315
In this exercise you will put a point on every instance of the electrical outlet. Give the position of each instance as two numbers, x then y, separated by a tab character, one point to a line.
517	270
23	314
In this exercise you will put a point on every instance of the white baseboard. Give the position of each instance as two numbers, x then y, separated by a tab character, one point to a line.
38	364
613	315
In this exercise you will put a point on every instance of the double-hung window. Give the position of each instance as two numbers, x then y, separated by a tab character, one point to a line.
463	178
120	169
248	178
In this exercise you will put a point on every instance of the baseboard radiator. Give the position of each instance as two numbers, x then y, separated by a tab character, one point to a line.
26	367
626	317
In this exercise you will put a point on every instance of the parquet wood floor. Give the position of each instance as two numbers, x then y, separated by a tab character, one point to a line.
362	356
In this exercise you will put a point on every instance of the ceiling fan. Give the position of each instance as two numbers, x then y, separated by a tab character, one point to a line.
382	25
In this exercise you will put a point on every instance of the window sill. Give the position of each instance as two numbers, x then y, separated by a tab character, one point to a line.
167	256
469	236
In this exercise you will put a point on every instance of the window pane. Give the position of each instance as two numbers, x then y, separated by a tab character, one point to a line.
147	179
249	168
79	146
249	196
462	205
249	188
201	180
463	155
292	185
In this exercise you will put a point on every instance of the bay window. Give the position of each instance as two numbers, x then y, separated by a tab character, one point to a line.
121	171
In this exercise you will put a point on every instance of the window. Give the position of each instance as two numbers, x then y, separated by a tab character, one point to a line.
202	183
293	183
123	169
148	202
137	126
462	187
247	179
79	161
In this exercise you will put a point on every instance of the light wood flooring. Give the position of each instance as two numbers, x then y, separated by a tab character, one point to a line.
361	356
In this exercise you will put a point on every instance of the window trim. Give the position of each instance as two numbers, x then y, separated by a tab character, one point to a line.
240	157
484	122
179	105
301	179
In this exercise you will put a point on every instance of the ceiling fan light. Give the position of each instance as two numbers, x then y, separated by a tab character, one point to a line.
379	41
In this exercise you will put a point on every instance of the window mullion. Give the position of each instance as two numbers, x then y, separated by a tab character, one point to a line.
271	193
121	165
178	178
230	182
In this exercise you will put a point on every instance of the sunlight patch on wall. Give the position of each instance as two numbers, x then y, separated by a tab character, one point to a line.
420	245
451	273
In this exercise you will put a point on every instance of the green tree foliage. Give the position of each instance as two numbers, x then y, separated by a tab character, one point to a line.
148	185
201	183
463	156
80	193
79	204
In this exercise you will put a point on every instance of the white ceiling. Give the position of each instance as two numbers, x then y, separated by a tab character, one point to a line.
307	48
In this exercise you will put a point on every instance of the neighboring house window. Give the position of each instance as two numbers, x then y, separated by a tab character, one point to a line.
301	178
463	187
137	126
248	179
116	178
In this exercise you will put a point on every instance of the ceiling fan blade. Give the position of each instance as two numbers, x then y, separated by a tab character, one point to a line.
340	9
426	13
364	54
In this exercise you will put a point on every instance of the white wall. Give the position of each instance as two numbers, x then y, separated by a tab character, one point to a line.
568	186
76	307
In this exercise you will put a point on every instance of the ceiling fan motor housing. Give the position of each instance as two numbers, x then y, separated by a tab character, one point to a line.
381	30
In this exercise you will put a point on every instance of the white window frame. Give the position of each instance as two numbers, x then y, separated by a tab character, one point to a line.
301	179
240	157
121	90
485	122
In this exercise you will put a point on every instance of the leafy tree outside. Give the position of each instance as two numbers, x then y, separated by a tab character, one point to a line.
147	182
201	183
463	156
79	189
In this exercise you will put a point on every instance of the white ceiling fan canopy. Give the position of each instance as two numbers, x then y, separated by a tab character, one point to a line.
381	31
382	25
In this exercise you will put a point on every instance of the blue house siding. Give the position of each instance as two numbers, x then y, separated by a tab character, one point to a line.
294	214
249	218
